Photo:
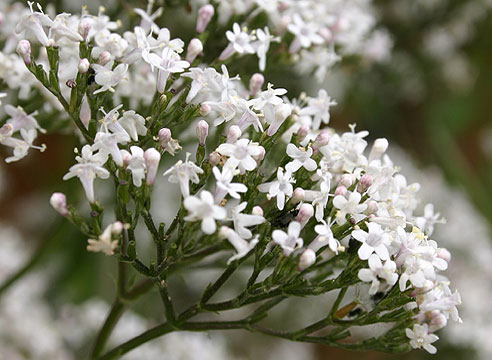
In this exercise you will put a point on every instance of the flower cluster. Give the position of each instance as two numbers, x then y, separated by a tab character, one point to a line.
269	177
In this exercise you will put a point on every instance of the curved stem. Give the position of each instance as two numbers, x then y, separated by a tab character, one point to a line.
111	320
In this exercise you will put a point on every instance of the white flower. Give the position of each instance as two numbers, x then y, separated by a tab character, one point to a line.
262	45
110	121
241	154
427	222
88	168
105	242
168	62
375	240
183	173
420	338
242	221
319	108
305	34
417	271
239	41
133	123
224	185
203	208
108	78
107	144
302	158
350	206
137	165
31	26
267	100
20	120
288	241
325	237
60	29
279	188
242	246
378	270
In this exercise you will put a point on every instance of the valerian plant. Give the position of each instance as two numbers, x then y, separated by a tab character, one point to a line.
270	187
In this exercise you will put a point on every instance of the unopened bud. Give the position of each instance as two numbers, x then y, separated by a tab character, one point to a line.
83	66
117	228
255	83
444	254
205	14
59	202
24	51
364	183
302	132
257	211
379	148
326	34
205	109
307	259
84	28
341	190
306	212
195	47
214	158
347	180
298	195
126	156
233	134
152	158
321	140
372	207
6	131
202	132
104	58
260	156
164	137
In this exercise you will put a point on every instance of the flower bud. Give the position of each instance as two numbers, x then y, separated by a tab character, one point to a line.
282	112
321	140
347	180
59	202
164	137
379	148
214	158
233	134
257	211
117	228
255	83
83	66
444	254
195	47
260	156
24	51
307	259
84	28
306	212
302	132
152	158
298	195
6	131
437	321
372	207
205	14
364	183
126	156
341	190
326	34
104	58
205	109
202	132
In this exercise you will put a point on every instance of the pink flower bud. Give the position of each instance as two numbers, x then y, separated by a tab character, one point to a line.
372	207
307	259
59	202
24	51
205	109
164	137
117	228
202	132
302	132
341	190
84	28
321	140
438	321
205	14
326	34
6	131
126	156
152	158
306	212
233	134
255	83
444	254
364	183
347	180
298	195
104	58
83	66
257	211
260	156
195	47
379	148
214	158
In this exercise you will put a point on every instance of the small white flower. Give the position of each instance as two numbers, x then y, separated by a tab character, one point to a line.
183	173
242	221
348	206
167	63
137	165
302	158
376	271
242	246
289	241
224	185
420	338
133	123
262	45
375	240
108	78
305	34
241	154
427	222
105	243
319	108
267	100
239	41
280	188
107	144
20	120
325	237
203	208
